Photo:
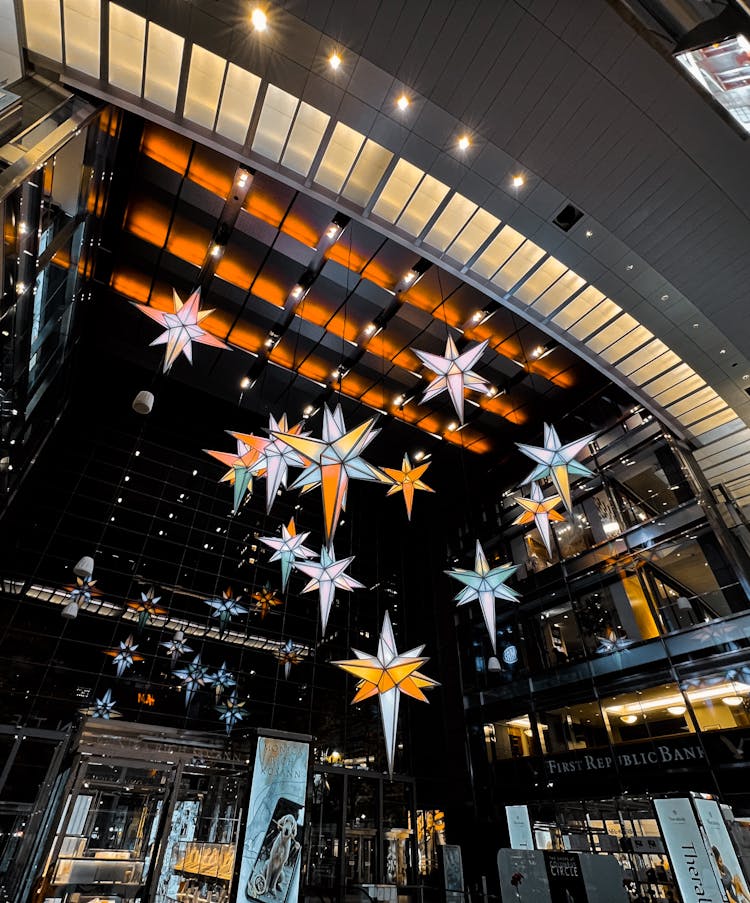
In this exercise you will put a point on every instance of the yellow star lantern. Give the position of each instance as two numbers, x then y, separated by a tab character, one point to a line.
540	510
265	600
407	480
386	675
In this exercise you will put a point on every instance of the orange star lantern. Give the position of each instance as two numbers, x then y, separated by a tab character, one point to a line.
407	480
540	510
265	600
387	675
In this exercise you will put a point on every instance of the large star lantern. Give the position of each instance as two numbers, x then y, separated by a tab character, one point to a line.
288	656
103	708
192	677
80	593
147	608
265	599
332	461
176	646
326	576
485	584
124	656
243	465
454	373
407	480
288	548
556	462
181	328
276	456
387	675
541	510
231	711
221	680
225	609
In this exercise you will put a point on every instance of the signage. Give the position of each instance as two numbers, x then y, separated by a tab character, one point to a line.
523	877
721	849
146	699
272	850
687	851
603	877
565	877
632	757
519	828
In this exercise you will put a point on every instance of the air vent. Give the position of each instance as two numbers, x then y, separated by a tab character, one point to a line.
567	217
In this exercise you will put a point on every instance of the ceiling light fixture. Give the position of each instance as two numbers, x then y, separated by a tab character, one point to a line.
418	455
518	181
215	250
629	267
370	329
309	409
589	233
452	426
332	231
629	719
697	695
334	61
297	291
491	391
259	19
245	382
403	102
477	316
463	143
732	701
242	181
665	297
676	710
410	277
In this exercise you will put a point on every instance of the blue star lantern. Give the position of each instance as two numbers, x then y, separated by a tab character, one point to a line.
225	609
231	711
193	677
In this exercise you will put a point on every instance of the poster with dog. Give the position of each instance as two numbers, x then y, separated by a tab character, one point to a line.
270	869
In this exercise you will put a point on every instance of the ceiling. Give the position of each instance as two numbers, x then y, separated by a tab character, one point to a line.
572	97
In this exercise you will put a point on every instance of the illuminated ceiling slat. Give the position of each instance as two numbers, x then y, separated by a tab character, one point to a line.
127	41
163	64
637	361
540	280
237	103
450	222
675	385
678	408
367	173
558	293
397	191
423	204
657	367
589	299
507	242
304	139
598	317
526	257
274	123
473	235
203	87
339	157
629	343
82	29
44	28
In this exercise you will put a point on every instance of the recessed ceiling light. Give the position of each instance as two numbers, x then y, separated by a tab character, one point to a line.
629	266
518	181
245	382
477	316
403	102
665	297
452	426
296	291
418	455
732	700
334	61
410	276
463	142
696	325
259	19
722	350
589	233
629	719
369	329
746	375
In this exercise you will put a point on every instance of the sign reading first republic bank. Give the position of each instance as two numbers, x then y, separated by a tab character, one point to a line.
644	757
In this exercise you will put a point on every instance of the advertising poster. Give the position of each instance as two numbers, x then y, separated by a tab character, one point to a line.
725	861
523	877
272	851
519	827
566	884
453	873
603	877
687	851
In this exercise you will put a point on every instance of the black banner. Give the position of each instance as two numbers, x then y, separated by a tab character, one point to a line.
565	877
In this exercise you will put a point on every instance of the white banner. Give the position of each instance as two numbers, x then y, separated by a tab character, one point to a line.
687	852
519	828
726	864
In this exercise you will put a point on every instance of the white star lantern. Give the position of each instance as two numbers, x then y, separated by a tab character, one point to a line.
542	511
125	655
276	457
103	708
485	584
181	328
388	674
332	461
454	373
193	677
221	680
176	646
326	576
556	462
288	548
231	711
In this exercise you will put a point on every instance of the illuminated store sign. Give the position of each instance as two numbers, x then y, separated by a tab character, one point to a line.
272	852
724	858
687	851
519	827
638	756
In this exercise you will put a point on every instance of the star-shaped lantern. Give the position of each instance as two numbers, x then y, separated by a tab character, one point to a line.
124	656
454	373
192	677
176	646
181	328
288	656
265	599
275	455
332	461
612	642
221	680
231	711
147	607
79	594
540	510
388	674
225	609
103	708
287	549
557	462
242	467
486	584
407	480
326	575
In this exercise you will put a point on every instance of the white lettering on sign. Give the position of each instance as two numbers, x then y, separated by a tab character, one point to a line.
662	755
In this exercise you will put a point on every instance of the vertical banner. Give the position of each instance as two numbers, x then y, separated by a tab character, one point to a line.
519	828
565	877
687	852
720	847
272	852
523	877
453	873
